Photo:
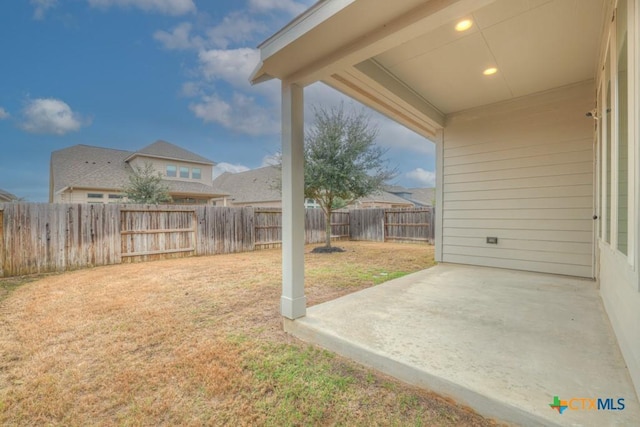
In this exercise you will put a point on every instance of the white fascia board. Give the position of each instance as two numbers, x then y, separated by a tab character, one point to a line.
259	75
308	20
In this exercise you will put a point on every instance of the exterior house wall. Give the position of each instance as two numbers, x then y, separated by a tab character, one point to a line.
521	171
619	261
272	204
621	298
374	204
161	166
82	196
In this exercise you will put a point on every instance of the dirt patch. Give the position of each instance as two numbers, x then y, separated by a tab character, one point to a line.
199	341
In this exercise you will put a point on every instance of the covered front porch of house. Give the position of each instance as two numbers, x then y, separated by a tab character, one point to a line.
503	342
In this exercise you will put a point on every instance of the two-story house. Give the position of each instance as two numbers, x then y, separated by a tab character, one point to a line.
87	174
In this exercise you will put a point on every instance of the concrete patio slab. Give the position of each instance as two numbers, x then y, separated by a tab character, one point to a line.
503	342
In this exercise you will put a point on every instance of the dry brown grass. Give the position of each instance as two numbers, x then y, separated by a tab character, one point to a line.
198	341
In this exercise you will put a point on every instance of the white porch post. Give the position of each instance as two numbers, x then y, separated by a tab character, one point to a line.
293	303
439	140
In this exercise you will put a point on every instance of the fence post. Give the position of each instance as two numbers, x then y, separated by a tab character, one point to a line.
1	241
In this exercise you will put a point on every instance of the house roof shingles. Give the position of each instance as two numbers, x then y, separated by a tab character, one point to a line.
85	166
253	186
420	196
384	197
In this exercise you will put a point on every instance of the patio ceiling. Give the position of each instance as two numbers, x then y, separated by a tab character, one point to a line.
406	60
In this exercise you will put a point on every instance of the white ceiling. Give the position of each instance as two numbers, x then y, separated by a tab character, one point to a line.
535	44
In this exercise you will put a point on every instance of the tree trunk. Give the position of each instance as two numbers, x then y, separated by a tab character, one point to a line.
327	214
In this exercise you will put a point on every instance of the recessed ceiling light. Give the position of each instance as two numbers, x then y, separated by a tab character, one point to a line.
464	25
490	71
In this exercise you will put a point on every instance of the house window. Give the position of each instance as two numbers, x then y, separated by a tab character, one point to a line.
184	172
311	203
622	127
196	173
115	196
171	171
607	142
95	195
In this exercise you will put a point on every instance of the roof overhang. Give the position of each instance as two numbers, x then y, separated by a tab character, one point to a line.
154	156
404	58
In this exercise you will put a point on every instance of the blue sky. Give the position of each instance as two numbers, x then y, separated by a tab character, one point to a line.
125	73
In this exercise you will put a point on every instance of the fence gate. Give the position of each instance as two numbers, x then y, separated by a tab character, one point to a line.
154	233
409	225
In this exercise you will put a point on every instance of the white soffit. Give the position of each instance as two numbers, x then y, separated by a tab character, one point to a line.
536	45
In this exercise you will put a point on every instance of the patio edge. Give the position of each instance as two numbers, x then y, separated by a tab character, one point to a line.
484	405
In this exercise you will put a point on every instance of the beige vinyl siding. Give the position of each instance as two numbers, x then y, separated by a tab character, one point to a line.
521	171
82	196
268	204
160	165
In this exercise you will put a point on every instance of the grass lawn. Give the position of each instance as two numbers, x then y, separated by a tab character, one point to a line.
198	341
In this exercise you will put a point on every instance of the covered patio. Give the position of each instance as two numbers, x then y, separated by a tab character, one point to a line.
500	341
533	108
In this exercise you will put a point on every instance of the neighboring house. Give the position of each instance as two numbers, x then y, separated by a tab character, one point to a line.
420	197
6	197
534	108
86	174
381	199
261	188
256	188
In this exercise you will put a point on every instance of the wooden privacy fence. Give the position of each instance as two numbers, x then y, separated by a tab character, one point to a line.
148	232
38	238
408	225
399	225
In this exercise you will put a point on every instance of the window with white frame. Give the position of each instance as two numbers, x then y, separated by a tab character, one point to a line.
606	145
617	163
622	123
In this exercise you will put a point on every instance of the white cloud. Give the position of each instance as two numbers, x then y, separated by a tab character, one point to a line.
3	114
423	178
168	7
390	133
395	135
41	7
290	6
179	38
235	28
223	167
190	89
242	114
271	160
50	116
232	65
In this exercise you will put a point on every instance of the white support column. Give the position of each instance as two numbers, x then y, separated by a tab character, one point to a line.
293	303
439	140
